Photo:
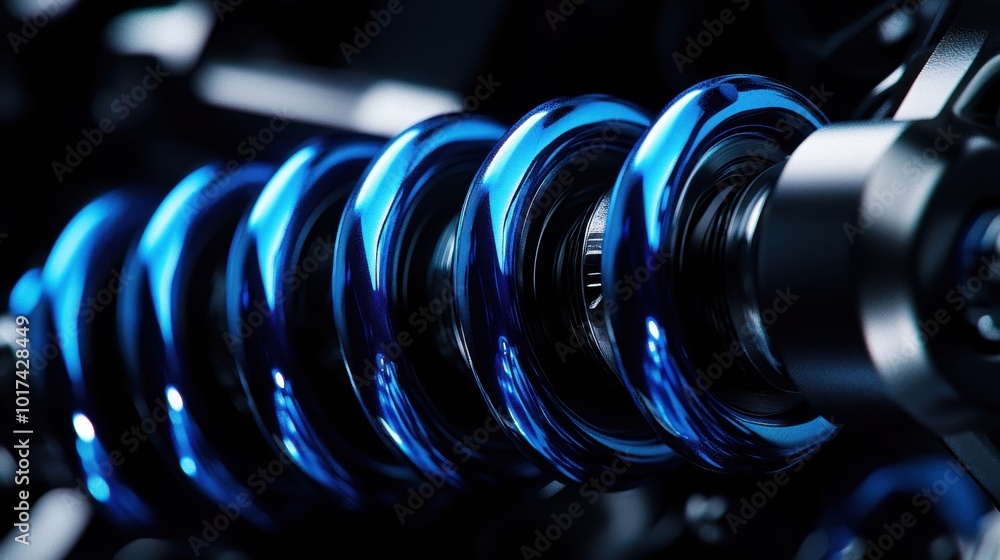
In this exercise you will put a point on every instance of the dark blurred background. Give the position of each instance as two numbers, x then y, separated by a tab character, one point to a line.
61	74
177	85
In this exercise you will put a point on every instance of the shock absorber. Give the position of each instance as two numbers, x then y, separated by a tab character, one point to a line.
373	295
593	286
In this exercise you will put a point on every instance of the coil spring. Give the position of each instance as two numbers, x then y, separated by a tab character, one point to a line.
381	322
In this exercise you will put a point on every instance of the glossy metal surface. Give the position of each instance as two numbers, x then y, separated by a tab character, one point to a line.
277	290
172	326
390	302
72	304
499	279
645	242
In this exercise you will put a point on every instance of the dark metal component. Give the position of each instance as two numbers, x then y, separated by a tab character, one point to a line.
886	230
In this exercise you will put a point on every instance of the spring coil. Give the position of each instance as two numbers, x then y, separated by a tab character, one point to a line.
381	322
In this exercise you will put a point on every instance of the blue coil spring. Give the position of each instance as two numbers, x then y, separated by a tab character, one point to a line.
465	303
